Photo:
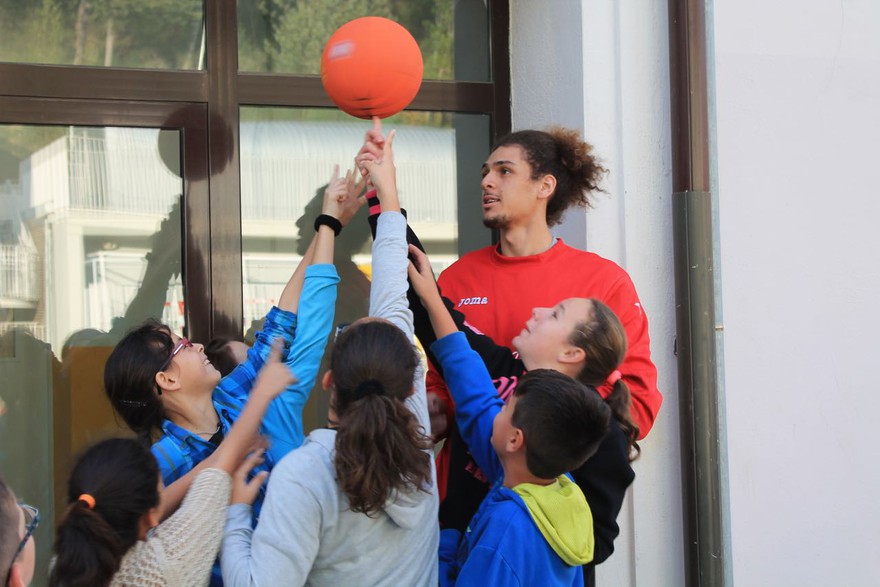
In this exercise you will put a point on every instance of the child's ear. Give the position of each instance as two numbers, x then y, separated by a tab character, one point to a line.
149	520
517	441
327	380
167	381
571	355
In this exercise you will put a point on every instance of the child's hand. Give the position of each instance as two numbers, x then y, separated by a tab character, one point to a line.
374	141
274	377
334	192
353	198
244	491
383	175
421	276
438	413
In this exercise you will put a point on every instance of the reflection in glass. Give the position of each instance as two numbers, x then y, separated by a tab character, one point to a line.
90	244
156	34
289	37
287	157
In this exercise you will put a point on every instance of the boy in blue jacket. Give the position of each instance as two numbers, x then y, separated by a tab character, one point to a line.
535	526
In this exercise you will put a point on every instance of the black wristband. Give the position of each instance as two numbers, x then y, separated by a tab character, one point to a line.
327	220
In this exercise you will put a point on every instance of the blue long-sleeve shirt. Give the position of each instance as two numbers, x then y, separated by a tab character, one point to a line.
503	544
179	450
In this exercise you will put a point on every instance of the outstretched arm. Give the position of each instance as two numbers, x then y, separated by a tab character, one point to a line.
388	292
471	386
317	304
422	279
344	192
273	378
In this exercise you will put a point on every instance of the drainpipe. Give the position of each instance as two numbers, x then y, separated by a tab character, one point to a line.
702	474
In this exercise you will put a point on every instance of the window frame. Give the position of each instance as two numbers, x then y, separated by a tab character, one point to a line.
108	96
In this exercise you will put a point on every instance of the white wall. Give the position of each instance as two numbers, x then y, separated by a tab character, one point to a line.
603	67
798	119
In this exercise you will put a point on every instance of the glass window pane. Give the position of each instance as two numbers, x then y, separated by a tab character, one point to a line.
287	157
155	34
289	37
90	244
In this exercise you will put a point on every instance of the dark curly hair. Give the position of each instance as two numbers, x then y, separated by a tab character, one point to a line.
562	153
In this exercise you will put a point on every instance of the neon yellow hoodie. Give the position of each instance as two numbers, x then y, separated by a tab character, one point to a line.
563	515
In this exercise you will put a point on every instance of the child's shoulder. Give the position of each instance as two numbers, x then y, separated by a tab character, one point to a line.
503	517
312	462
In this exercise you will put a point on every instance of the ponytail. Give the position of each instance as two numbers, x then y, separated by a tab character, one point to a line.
380	446
120	479
88	551
620	402
602	338
379	449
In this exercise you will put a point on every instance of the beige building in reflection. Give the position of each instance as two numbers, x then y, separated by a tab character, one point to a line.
86	214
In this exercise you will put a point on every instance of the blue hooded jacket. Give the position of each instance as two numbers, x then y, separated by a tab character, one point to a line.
527	535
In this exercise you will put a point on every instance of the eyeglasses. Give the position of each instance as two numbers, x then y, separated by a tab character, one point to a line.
181	344
31	521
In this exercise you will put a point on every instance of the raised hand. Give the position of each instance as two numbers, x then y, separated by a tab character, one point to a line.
421	276
274	377
371	150
353	198
383	175
333	193
244	491
438	412
343	196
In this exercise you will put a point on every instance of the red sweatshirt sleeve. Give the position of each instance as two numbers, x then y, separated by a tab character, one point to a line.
637	368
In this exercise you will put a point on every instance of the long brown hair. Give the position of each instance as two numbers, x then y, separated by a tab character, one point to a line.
603	340
380	446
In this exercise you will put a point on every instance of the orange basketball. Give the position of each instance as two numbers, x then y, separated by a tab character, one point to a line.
371	66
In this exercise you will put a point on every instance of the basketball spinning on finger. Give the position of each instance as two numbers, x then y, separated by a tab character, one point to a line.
371	66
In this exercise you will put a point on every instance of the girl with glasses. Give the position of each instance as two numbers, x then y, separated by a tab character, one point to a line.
165	388
110	533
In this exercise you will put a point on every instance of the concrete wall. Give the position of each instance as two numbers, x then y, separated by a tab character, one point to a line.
603	67
798	116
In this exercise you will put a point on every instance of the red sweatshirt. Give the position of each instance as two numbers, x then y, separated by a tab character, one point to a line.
497	294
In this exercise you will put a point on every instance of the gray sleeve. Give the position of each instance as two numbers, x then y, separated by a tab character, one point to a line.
388	289
282	548
388	295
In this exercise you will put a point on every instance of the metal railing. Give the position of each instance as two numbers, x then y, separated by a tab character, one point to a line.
18	273
283	164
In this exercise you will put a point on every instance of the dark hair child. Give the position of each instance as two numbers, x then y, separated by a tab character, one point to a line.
110	533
